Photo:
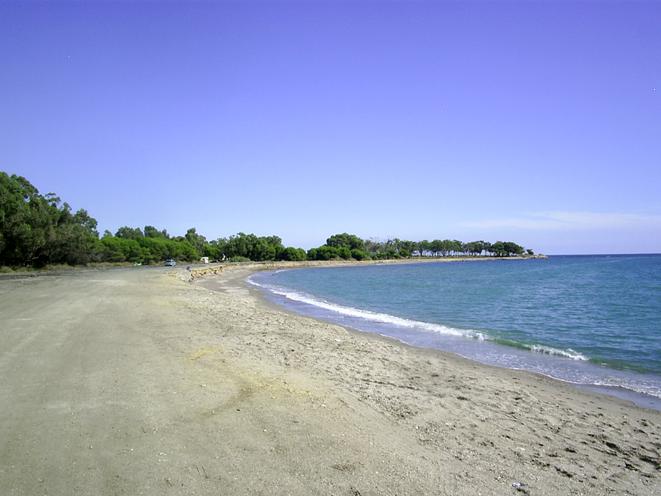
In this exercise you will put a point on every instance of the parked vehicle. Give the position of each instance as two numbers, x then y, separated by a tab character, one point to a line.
170	262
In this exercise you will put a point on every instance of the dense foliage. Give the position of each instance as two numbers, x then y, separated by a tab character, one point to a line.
348	246
38	230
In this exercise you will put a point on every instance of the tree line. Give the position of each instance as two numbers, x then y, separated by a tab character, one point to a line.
349	246
38	230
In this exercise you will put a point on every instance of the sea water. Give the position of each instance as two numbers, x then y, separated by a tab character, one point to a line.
594	321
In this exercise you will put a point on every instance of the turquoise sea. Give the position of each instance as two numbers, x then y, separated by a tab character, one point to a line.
594	321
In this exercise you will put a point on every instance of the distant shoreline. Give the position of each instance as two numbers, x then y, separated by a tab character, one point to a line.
198	271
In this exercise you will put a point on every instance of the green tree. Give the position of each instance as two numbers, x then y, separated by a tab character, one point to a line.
424	247
357	254
25	219
512	248
292	254
325	252
73	238
197	241
35	230
346	240
152	232
126	232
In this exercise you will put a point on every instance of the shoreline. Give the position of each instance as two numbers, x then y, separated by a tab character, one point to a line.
430	389
198	271
638	398
628	396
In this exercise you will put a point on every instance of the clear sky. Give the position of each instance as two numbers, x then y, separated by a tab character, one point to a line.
538	122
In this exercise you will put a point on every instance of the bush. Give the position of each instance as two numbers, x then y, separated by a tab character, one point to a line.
344	252
325	253
292	254
359	254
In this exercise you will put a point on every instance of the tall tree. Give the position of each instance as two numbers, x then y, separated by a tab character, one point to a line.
197	241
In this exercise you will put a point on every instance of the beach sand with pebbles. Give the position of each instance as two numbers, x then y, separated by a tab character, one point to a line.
143	382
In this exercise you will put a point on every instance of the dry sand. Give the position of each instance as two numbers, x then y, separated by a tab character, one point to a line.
136	382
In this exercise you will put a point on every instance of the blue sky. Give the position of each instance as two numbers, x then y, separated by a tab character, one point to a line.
533	121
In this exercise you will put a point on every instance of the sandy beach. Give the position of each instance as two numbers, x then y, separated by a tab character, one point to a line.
139	381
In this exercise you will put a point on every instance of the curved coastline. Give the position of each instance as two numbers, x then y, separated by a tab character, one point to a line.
561	365
618	392
430	391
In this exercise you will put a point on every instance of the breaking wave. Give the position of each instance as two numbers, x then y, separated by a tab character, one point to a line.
548	350
384	318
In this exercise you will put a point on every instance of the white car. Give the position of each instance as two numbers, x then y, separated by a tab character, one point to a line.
170	262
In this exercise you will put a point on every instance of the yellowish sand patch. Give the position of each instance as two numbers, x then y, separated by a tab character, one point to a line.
207	350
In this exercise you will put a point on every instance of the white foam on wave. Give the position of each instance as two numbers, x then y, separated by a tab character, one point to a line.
647	388
382	318
641	388
651	389
385	318
548	350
